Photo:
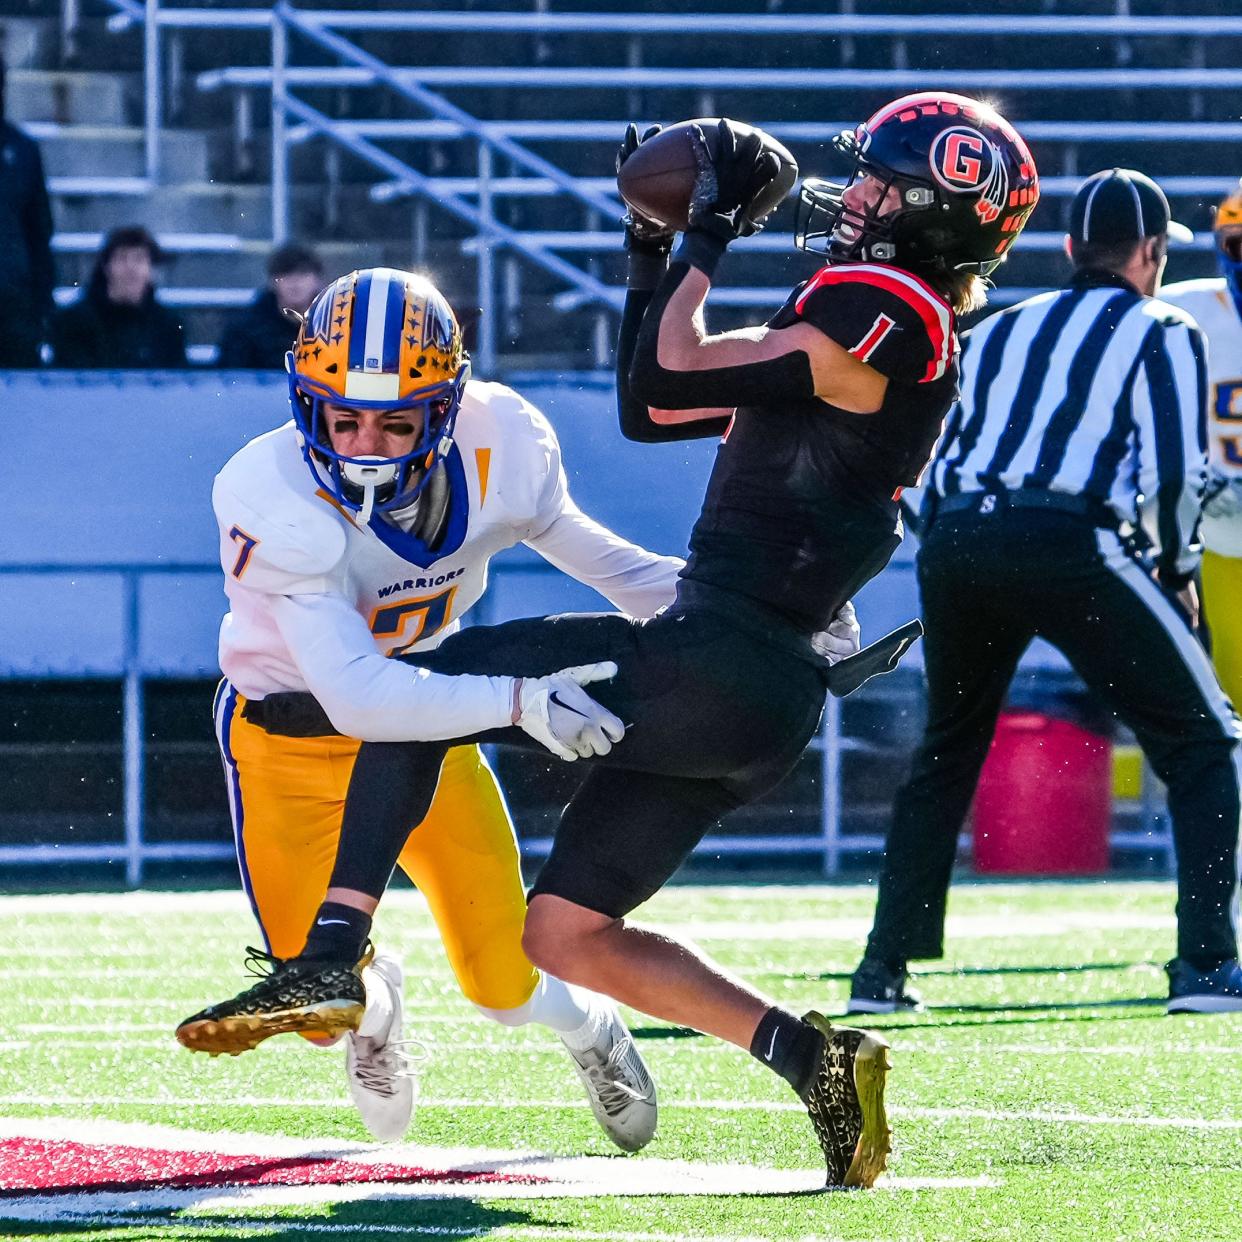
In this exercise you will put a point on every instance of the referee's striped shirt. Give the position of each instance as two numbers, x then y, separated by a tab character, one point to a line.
1091	390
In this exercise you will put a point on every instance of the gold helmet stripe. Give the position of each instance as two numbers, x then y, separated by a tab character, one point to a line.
1229	213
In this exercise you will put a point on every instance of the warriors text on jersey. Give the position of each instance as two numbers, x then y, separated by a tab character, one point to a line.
316	600
801	509
1215	312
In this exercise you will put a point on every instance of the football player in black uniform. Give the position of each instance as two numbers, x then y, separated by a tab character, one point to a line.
827	412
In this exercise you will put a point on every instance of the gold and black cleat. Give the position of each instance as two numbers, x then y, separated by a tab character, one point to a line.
309	997
846	1103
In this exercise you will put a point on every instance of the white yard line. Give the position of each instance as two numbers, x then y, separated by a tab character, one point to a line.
301	1227
1073	1119
718	1106
413	1172
543	1043
1006	924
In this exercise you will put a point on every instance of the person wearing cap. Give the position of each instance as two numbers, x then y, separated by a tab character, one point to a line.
1216	304
1063	503
261	337
116	323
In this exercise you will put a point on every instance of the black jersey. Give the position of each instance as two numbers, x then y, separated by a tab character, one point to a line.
801	508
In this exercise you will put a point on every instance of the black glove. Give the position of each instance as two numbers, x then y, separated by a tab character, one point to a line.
642	234
729	181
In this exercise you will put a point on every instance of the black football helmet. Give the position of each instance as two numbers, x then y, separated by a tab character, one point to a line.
966	179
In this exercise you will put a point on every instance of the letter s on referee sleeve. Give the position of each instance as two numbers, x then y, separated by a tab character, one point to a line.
1170	410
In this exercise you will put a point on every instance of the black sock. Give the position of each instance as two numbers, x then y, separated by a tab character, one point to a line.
338	933
789	1046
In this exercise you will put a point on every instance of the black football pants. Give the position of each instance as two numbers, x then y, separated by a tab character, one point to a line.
989	585
714	718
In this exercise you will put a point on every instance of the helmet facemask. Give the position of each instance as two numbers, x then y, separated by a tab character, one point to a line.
1229	244
827	225
965	179
368	485
384	340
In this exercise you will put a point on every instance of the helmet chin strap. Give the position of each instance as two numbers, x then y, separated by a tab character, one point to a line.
369	474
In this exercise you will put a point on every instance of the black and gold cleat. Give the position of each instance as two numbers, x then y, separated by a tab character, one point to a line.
846	1103
309	997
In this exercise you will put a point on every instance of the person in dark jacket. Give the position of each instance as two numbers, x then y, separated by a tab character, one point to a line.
26	274
117	323
260	339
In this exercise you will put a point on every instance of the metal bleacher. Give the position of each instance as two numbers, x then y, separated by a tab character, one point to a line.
341	126
478	144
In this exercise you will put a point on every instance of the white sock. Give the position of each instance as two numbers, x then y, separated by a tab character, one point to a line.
587	1035
378	1014
563	1007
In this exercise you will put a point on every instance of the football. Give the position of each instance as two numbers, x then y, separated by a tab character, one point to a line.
658	179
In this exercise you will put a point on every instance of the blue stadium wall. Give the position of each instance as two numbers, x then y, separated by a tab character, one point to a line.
110	473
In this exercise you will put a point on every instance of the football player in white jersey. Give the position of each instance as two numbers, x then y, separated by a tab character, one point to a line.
361	530
1216	303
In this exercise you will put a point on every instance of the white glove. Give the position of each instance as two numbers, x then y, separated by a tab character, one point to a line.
1223	498
843	636
559	714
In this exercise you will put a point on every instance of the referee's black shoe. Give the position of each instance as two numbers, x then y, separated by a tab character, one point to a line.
1217	990
880	987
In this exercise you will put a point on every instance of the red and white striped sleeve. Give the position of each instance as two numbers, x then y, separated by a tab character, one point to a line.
883	316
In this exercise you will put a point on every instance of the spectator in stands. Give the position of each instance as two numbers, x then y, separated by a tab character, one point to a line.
117	323
262	337
25	246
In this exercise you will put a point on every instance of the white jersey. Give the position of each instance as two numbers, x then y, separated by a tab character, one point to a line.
318	601
1212	306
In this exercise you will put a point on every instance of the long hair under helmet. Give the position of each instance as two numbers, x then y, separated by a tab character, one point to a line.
966	179
377	339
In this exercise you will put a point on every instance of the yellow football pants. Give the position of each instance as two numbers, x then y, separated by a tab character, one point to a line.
287	797
1222	606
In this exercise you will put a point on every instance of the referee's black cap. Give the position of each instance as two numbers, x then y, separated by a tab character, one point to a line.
1121	205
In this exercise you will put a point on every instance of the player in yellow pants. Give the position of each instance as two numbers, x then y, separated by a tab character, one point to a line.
288	795
363	530
1216	304
1222	606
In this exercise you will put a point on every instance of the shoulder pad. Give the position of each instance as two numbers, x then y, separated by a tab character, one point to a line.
1172	314
883	316
1188	292
524	455
273	515
1194	297
508	411
496	417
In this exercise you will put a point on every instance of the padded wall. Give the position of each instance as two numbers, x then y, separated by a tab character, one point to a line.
107	471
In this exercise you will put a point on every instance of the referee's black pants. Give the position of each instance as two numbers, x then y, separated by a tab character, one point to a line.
989	585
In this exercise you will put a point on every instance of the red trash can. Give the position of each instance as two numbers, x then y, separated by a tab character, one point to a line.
1044	801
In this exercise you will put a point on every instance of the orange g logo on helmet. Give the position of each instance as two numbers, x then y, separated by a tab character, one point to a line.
961	158
965	162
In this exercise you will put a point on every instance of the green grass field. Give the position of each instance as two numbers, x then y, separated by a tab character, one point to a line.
1046	1094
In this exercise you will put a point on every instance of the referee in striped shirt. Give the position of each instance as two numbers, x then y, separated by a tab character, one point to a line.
1079	439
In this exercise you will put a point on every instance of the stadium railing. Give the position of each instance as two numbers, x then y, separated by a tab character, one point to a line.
122	585
136	851
472	199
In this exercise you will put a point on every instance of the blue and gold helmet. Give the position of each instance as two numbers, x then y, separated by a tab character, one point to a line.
1228	227
377	339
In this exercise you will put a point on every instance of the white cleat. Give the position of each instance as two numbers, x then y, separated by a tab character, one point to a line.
381	1072
622	1093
